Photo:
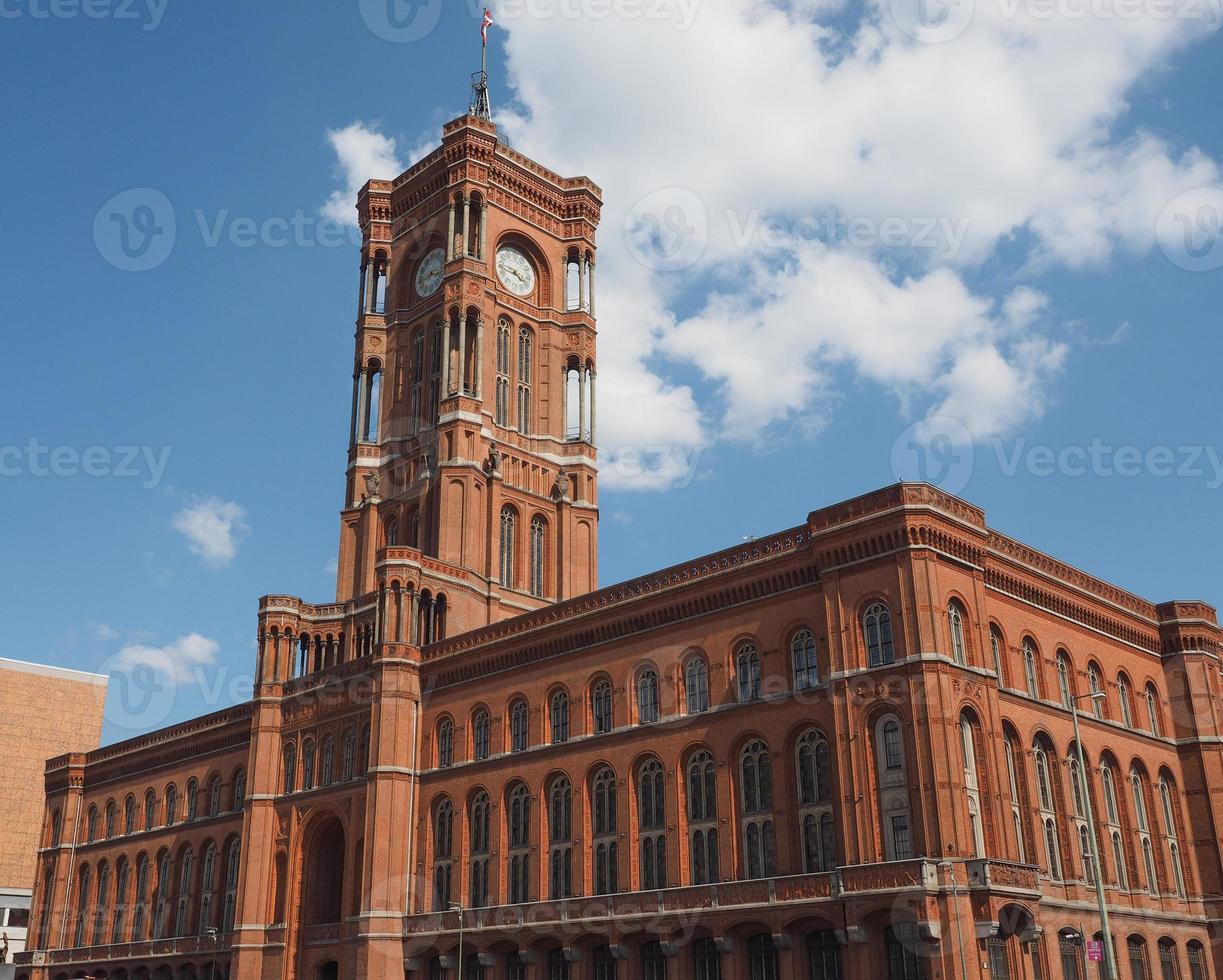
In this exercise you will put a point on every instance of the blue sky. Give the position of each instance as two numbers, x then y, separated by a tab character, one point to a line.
1067	321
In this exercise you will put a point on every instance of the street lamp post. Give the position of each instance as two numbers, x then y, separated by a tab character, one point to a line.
1110	962
215	935
955	915
458	907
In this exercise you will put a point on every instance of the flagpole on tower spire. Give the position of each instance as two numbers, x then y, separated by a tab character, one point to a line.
480	107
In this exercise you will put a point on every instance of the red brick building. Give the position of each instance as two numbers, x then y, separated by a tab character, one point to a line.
845	750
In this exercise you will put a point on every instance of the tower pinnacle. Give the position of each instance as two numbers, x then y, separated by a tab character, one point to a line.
480	107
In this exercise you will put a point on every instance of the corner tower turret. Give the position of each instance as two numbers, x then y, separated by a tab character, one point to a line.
472	456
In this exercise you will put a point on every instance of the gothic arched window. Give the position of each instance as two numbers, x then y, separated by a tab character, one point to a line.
815	803
560	838
652	825
747	670
481	735
756	792
702	818
647	697
479	843
559	709
445	743
601	705
603	825
519	718
518	860
538	556
696	685
955	621
508	530
525	361
877	629
802	652
443	849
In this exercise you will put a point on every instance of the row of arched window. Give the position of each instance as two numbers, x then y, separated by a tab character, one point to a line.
311	761
150	813
154	898
555	869
1135	953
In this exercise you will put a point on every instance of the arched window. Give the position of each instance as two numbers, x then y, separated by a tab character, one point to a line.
233	864
696	685
150	809
995	646
558	965
112	819
101	904
560	838
91	824
747	669
1093	683
1076	784
653	962
208	875
1013	783
558	708
1119	860
1110	794
972	784
756	793
82	905
138	903
290	767
955	622
1168	968
1051	848
1171	834
445	743
308	764
1123	699
762	958
392	533
1152	698
508	527
186	880
214	796
1070	952
1044	785
823	955
479	842
815	803
1029	669
518	861
877	629
171	804
605	963
350	754
129	815
327	766
238	798
539	534
603	822
802	652
502	404
702	818
519	717
161	897
647	697
193	799
525	361
1197	960
706	960
601	706
652	825
443	851
1063	680
1085	855
1140	968
481	735
893	790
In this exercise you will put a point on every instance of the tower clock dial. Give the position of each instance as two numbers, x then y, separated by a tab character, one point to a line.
515	271
429	273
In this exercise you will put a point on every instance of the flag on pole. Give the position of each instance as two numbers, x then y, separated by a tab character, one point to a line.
488	22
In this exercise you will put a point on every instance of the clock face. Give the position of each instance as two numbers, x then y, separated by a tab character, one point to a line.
429	273
515	271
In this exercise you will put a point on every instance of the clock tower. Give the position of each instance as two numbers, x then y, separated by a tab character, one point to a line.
471	487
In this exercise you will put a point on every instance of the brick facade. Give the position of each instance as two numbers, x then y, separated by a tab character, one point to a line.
844	750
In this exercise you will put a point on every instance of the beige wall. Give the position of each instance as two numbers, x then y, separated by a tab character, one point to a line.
44	712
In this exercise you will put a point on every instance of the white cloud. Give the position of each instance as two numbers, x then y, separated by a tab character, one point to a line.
176	662
212	528
362	153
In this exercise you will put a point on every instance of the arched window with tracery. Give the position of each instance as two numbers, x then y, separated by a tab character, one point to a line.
308	759
647	697
603	826
289	767
129	815
350	754
1142	822
702	795
519	721
1152	699
443	851
1124	702
186	884
813	759
208	884
478	839
560	838
445	743
518	859
1197	960
959	642
747	670
112	819
140	915
877	632
502	403
996	646
161	897
509	522
1030	677
756	794
233	863
802	654
193	799
101	906
972	782
525	364
1065	685
1095	688
1014	778
481	735
696	685
1047	805
538	557
652	824
1171	824
893	790
82	905
558	709
601	707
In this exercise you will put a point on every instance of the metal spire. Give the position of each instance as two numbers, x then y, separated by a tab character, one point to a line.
480	107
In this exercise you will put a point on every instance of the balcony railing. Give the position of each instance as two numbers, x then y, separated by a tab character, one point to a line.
177	946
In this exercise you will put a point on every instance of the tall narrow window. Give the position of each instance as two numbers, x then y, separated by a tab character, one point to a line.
1123	699
232	866
995	646
82	905
1063	680
652	825
524	381
186	882
139	915
762	958
539	534
653	962
802	652
290	768
647	697
559	710
208	882
1012	775
1055	864
1153	710
823	955
350	754
503	374
445	743
101	904
747	669
478	840
129	815
815	803
955	621
604	851
112	819
1168	969
508	528
905	957
756	793
1197	961
893	790
696	685
193	799
1139	968
481	735
443	842
877	629
238	799
519	719
161	897
518	863
1029	669
601	705
1093	682
702	818
560	839
416	415
326	774
972	784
